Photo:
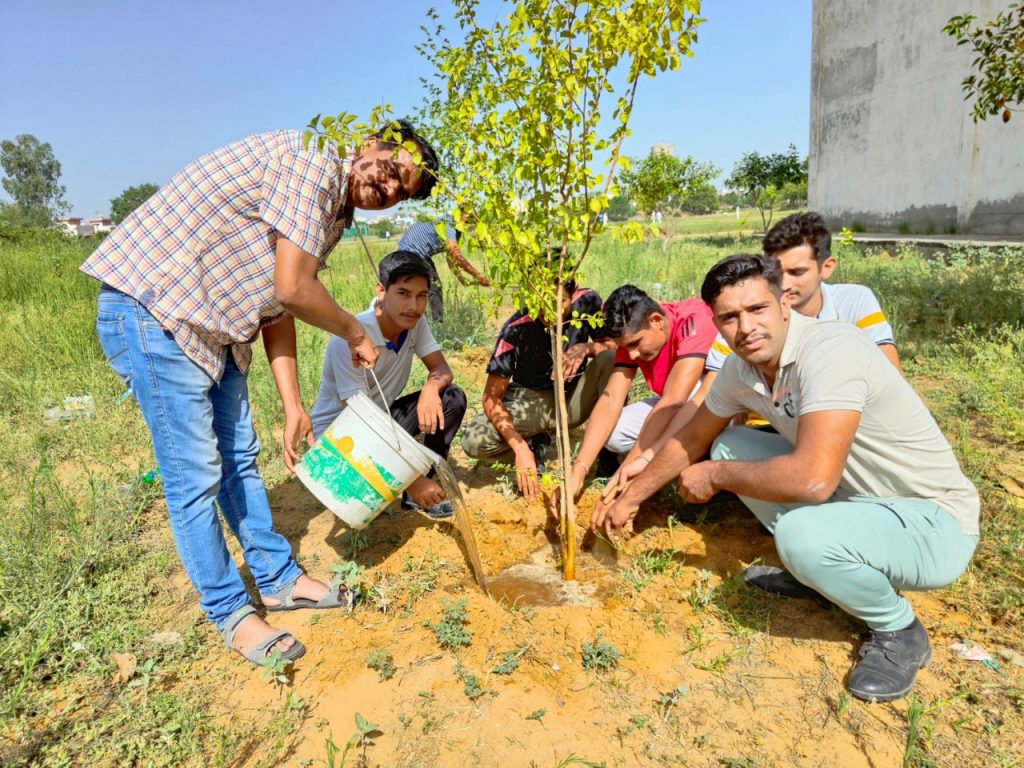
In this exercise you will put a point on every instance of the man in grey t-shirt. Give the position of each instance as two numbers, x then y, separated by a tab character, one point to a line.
859	486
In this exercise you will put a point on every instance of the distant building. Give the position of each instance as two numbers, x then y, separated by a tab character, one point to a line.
893	145
664	148
70	225
73	225
100	224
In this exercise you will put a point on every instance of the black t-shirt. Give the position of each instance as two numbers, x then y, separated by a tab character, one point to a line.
523	351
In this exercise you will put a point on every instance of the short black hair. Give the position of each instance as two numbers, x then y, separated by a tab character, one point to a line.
738	269
800	229
626	311
428	161
399	265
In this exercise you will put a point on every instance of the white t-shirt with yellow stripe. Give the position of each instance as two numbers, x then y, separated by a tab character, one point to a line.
854	304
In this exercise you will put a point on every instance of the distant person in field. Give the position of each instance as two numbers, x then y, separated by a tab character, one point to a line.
666	342
859	486
802	244
227	251
519	395
398	328
429	239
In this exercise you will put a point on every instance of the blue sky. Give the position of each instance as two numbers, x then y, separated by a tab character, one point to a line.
130	92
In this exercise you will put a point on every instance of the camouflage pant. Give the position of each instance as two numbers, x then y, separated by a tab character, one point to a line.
533	410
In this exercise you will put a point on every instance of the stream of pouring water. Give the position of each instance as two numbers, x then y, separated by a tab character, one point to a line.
463	521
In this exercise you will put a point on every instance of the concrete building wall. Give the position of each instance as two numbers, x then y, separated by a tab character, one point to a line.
892	140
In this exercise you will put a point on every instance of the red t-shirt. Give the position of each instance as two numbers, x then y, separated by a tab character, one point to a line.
691	335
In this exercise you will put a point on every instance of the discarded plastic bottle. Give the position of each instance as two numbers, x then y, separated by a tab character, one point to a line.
150	477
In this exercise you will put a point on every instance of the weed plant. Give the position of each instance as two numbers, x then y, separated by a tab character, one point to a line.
600	655
451	631
383	662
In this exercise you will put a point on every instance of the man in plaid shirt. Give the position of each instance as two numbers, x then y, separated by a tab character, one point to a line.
228	250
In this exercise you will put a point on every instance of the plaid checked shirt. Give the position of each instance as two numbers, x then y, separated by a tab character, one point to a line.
200	253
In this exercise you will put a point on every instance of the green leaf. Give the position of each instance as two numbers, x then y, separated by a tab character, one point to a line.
364	726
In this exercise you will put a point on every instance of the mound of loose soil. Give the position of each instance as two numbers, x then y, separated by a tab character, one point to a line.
762	677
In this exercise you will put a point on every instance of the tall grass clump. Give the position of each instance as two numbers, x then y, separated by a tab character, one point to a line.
82	556
929	298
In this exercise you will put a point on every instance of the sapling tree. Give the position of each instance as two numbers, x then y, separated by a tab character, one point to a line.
527	108
761	177
662	181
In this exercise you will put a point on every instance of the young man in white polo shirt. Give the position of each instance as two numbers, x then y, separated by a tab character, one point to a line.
803	245
397	326
860	488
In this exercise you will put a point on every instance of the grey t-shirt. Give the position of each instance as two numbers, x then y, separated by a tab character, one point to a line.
341	380
827	365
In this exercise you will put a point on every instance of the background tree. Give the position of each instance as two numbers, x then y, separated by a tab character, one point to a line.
620	208
129	200
998	45
662	181
523	105
762	176
382	227
32	179
792	195
701	199
732	198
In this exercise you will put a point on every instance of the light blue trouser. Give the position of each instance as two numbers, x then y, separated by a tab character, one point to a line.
856	550
206	446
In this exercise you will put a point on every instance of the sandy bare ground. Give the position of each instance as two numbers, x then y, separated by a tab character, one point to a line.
763	677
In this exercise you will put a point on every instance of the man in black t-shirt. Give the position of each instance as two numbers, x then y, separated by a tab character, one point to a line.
519	401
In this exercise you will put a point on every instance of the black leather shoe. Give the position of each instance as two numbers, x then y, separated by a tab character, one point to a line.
780	582
889	662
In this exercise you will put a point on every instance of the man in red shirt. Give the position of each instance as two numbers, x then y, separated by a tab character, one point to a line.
668	343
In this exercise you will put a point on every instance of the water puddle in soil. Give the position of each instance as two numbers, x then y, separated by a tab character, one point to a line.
539	583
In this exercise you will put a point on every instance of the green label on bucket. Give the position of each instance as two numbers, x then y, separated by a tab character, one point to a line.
332	465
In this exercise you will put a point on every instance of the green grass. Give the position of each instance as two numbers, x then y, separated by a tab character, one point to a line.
83	565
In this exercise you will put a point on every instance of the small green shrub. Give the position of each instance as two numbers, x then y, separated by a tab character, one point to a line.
451	631
600	655
470	684
383	662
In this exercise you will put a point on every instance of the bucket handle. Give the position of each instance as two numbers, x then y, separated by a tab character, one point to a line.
384	401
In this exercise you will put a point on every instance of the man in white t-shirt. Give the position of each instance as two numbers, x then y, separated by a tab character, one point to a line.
859	486
803	245
397	326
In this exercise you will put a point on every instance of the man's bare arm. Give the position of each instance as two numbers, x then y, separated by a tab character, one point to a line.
810	474
298	290
889	350
681	450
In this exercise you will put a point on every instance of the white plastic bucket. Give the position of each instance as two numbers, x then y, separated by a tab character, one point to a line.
362	462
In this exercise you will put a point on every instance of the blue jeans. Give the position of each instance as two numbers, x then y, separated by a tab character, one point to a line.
206	448
856	550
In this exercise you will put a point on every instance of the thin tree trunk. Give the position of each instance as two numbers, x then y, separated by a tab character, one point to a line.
567	504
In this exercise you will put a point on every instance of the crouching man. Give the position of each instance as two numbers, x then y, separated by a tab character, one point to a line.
396	326
519	395
860	488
